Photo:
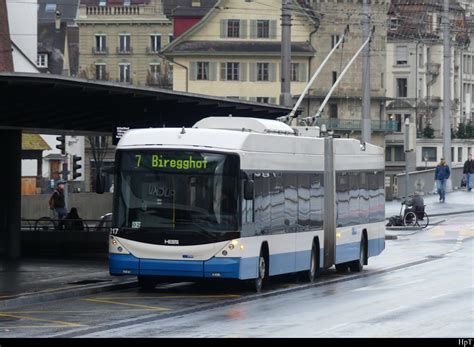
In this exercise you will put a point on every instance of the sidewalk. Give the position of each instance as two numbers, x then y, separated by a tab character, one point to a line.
456	202
28	281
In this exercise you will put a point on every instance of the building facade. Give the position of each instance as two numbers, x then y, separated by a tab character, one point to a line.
343	113
234	51
120	41
414	82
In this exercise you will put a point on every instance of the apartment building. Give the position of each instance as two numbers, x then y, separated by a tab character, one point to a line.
234	51
120	40
415	81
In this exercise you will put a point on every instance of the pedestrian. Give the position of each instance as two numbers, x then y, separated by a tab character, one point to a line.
73	221
442	173
468	172
57	202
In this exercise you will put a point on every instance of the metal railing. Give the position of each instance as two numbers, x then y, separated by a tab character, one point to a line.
64	225
356	124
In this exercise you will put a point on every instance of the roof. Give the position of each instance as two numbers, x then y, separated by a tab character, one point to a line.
412	16
67	8
33	142
45	103
171	48
184	8
239	47
245	124
278	151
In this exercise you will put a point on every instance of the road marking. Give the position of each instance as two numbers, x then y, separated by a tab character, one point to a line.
151	308
223	296
67	324
36	293
32	326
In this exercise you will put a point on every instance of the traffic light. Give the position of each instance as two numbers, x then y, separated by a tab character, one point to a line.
76	166
62	144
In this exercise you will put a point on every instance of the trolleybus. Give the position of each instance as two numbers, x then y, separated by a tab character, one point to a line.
243	198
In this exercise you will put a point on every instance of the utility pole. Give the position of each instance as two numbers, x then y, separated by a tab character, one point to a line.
366	126
285	96
446	90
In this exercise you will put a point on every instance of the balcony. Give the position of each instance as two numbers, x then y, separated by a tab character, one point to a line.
103	50
124	50
356	124
120	11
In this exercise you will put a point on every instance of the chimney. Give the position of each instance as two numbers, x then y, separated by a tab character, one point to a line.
57	20
6	58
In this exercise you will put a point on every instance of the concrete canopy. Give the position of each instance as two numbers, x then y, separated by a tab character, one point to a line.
44	103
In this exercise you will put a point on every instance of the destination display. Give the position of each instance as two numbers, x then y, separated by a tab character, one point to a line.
179	161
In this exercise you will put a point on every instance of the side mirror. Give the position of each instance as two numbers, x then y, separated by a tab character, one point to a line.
248	189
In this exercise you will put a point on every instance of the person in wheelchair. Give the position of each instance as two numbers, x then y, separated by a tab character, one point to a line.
416	205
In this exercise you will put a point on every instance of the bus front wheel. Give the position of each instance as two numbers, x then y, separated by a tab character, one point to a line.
262	273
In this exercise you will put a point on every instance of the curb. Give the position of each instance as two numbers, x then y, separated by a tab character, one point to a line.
443	214
35	298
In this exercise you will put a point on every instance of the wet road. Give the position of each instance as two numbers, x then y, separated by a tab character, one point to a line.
421	286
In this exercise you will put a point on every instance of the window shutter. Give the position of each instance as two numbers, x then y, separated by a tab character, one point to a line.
223	72
402	53
243	72
193	71
272	101
253	72
272	72
243	29
223	28
273	29
253	98
212	71
303	68
253	28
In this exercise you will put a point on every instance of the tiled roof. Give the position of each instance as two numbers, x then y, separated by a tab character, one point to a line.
33	142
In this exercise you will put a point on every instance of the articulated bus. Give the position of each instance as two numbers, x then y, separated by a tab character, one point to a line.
243	198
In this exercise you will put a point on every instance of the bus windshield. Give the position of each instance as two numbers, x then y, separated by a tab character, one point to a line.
173	190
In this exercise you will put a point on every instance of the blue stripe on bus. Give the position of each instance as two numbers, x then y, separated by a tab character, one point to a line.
350	251
162	267
123	264
241	268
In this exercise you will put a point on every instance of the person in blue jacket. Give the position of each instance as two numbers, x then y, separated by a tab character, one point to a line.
442	173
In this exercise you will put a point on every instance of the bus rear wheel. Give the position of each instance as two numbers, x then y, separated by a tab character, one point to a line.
310	274
358	265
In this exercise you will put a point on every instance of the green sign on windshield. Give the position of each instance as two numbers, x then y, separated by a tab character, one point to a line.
160	161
